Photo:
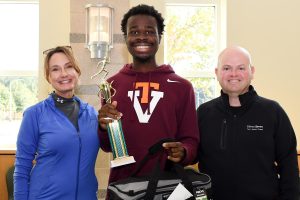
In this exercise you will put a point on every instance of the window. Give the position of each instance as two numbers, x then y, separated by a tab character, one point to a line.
19	39
191	45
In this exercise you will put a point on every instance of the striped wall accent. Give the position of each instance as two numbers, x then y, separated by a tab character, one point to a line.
80	38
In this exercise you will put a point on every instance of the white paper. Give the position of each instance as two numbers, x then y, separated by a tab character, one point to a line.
180	193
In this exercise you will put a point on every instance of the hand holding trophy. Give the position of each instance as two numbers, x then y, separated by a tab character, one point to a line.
114	128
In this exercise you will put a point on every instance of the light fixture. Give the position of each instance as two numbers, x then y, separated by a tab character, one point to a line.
99	33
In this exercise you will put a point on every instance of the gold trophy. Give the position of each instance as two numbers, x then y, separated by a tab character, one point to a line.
114	129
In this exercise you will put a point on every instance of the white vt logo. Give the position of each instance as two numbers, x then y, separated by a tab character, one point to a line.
156	96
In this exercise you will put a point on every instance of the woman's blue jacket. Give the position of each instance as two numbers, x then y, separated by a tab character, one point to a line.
64	156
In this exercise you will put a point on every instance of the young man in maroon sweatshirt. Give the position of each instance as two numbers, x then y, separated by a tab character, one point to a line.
153	101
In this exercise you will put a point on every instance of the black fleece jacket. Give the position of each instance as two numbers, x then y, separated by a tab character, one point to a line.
249	151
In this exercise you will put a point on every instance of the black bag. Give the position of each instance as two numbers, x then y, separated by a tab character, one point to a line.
159	185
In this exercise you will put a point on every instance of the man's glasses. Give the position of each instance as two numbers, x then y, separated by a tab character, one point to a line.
57	49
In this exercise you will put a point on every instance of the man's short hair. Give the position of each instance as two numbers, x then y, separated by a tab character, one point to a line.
143	9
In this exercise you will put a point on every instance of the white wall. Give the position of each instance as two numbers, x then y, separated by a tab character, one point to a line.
54	31
270	30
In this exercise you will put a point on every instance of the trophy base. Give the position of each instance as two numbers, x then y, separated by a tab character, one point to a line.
122	161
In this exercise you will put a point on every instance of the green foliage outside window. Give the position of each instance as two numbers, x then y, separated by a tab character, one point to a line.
191	46
16	94
4	97
191	36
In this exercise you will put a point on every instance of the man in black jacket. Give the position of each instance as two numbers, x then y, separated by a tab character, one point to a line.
247	145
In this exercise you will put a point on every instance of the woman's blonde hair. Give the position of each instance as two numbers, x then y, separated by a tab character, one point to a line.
67	50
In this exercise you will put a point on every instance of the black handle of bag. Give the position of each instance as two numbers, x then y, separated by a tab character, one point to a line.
152	184
183	176
153	180
157	147
154	149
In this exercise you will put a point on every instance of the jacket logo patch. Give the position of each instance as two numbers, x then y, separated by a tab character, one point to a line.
255	128
155	97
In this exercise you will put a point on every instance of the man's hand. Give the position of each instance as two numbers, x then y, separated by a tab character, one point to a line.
176	152
107	114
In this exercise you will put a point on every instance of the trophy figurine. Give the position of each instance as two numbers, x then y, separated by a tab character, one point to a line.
114	128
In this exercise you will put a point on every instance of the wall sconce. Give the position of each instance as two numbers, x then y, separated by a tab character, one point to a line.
99	33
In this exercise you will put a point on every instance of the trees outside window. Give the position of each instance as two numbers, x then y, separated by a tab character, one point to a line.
19	39
191	45
16	94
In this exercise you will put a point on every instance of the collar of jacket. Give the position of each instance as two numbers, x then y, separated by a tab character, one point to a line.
246	100
82	105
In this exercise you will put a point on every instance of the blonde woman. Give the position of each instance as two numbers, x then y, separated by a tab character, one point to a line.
60	135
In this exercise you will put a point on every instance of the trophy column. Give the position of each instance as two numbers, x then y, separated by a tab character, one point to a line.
118	144
114	129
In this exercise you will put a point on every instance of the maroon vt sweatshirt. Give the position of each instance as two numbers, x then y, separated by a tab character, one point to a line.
155	105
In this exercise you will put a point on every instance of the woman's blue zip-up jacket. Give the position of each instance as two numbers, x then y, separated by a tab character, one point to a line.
64	156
